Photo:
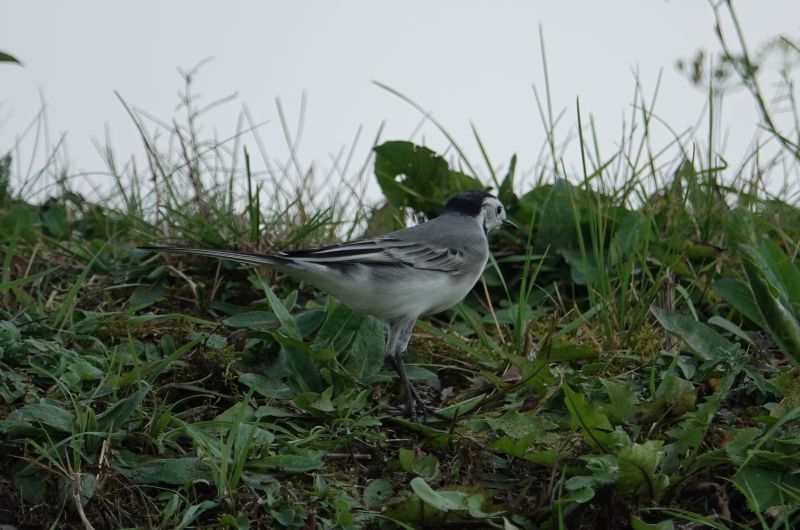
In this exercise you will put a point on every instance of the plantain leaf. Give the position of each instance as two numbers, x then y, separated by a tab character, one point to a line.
738	295
780	322
700	338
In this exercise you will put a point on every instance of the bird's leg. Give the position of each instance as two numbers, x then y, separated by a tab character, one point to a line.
396	346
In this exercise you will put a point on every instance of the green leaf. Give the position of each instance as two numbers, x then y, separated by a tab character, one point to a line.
146	295
462	407
783	268
739	296
506	193
38	414
54	219
193	512
423	466
561	350
675	393
267	386
121	410
252	320
593	423
701	339
239	523
731	328
377	492
288	324
780	322
518	425
536	374
637	471
441	500
518	447
763	485
414	176
8	58
175	471
623	401
340	326
32	484
288	463
556	229
638	524
366	353
297	358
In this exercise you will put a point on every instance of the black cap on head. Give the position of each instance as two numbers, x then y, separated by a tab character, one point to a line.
467	202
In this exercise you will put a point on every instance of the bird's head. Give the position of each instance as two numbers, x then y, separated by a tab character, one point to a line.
483	206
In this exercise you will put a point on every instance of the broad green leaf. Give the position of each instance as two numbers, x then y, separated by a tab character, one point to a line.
562	350
377	492
780	322
519	425
461	407
416	177
340	326
784	270
288	324
32	484
701	339
535	374
739	296
638	524
252	319
121	410
632	229
520	448
441	500
85	483
589	420
637	471
731	328
556	229
193	512
54	219
423	466
39	414
677	394
623	401
175	471
763	485
239	523
366	352
267	386
146	295
297	358
313	401
288	463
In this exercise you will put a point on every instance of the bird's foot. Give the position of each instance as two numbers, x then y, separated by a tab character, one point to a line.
417	409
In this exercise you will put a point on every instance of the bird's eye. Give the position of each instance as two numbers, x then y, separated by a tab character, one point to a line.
499	210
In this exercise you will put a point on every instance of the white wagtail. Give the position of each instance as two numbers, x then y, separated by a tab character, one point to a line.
397	277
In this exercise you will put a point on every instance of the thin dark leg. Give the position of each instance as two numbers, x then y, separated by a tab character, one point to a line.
396	344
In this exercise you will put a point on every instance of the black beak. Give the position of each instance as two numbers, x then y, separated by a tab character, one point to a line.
509	224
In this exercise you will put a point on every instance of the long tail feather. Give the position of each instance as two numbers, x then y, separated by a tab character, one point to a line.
244	257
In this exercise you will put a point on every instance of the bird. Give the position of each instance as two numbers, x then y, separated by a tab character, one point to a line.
398	277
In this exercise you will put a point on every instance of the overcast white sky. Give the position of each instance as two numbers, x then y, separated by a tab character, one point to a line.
462	60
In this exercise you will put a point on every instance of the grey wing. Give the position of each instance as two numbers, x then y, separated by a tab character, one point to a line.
396	249
424	255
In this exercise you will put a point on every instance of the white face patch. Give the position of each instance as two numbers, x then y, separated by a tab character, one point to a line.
493	214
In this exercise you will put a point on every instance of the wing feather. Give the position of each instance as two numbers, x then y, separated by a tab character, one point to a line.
385	251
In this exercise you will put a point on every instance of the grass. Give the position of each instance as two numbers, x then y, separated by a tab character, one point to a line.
630	355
